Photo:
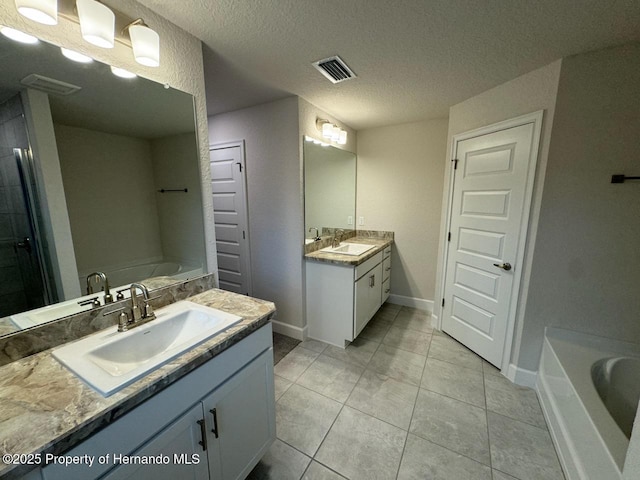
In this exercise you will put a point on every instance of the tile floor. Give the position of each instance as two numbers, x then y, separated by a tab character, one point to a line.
403	402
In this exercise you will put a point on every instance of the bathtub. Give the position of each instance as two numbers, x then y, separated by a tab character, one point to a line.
589	388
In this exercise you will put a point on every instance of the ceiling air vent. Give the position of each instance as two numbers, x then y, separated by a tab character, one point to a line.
49	85
334	69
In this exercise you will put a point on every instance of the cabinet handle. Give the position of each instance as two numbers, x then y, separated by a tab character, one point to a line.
372	281
387	290
203	432
387	269
214	430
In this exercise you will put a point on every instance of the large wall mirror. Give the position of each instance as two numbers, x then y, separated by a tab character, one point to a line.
329	188
98	173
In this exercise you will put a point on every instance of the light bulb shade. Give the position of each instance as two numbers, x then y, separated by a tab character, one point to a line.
97	23
335	134
41	11
122	73
343	137
146	45
327	130
18	35
75	56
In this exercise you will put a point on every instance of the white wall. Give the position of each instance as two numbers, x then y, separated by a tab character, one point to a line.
274	192
528	93
586	263
399	188
114	222
55	217
180	66
180	214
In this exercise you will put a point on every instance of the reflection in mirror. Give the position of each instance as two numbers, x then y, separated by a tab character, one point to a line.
100	178
329	188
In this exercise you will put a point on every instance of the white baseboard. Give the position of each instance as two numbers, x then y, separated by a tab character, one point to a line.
520	376
435	323
413	302
299	333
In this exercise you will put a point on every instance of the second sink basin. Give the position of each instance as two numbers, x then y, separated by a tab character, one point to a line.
349	248
110	360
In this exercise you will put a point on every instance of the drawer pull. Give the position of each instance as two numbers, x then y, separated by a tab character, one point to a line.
387	269
387	290
203	432
214	430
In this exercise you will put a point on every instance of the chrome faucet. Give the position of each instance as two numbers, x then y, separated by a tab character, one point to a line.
99	276
337	237
316	238
139	315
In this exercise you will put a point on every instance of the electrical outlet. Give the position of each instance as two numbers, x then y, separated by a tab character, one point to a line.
350	220
360	220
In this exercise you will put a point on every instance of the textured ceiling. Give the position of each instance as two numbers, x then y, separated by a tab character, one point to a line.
414	59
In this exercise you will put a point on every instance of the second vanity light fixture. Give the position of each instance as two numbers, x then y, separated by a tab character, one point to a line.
98	25
331	132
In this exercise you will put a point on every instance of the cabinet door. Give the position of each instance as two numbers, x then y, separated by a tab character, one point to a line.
241	420
368	293
177	449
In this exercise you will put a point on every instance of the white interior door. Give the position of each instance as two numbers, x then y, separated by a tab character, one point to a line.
228	184
489	212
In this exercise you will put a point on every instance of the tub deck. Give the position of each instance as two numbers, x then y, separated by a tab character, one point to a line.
589	442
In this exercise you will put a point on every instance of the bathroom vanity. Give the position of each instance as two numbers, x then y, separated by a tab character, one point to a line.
207	414
345	291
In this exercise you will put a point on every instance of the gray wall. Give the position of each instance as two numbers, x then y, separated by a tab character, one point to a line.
586	265
274	191
400	181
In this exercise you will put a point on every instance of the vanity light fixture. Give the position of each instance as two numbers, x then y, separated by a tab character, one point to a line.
41	11
75	56
122	73
145	43
18	35
331	131
97	23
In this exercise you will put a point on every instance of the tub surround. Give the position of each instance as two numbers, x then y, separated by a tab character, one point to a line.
60	410
589	442
23	343
369	237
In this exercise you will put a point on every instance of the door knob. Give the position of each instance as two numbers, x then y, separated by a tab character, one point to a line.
504	266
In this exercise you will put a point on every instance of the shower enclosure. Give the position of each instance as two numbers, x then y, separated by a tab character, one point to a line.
24	283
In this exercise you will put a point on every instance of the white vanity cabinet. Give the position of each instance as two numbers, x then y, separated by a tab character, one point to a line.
342	298
214	423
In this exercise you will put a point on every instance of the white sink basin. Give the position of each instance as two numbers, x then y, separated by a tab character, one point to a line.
110	360
349	248
48	313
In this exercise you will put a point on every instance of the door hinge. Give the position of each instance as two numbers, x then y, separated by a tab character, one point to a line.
243	236
239	165
455	163
449	237
443	302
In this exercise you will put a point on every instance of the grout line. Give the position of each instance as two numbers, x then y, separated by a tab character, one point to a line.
486	416
413	410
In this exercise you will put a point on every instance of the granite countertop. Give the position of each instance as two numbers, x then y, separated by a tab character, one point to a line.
353	260
44	408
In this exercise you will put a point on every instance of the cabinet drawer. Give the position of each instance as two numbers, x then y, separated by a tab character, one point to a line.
363	268
387	251
386	289
386	268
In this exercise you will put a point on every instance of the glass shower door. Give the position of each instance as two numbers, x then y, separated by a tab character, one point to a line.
23	284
